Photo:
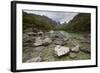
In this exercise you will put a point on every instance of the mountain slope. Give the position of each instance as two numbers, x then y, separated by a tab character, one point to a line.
80	23
38	22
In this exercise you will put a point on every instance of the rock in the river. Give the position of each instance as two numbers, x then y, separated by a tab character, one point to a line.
58	42
38	41
25	36
51	32
28	30
85	49
47	40
75	49
61	50
72	55
39	49
57	34
36	59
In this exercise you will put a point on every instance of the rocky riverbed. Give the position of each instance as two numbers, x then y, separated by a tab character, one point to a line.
55	46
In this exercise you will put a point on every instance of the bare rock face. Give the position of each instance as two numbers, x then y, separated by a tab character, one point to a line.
61	50
75	49
36	59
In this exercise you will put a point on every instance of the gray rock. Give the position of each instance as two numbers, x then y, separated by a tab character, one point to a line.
85	49
47	40
58	42
28	30
51	32
39	49
36	59
28	38
40	33
85	41
61	50
38	41
52	45
27	44
25	36
65	35
75	49
72	55
57	34
42	41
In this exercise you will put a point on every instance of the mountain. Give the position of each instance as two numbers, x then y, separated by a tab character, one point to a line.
39	22
80	23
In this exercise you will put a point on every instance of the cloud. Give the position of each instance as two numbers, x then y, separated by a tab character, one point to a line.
56	16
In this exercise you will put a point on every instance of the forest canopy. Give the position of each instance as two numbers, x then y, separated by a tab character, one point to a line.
80	23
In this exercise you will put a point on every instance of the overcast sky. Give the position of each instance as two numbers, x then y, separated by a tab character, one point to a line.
56	16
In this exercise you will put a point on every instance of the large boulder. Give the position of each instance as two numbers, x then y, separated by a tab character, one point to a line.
42	41
47	40
58	42
61	50
51	32
38	41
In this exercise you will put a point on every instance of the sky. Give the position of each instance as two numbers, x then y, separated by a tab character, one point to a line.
56	16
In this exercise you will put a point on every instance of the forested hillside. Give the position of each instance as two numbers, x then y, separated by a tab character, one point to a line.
37	22
80	23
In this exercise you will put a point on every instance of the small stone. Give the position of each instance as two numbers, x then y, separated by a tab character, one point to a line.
72	55
39	49
36	59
